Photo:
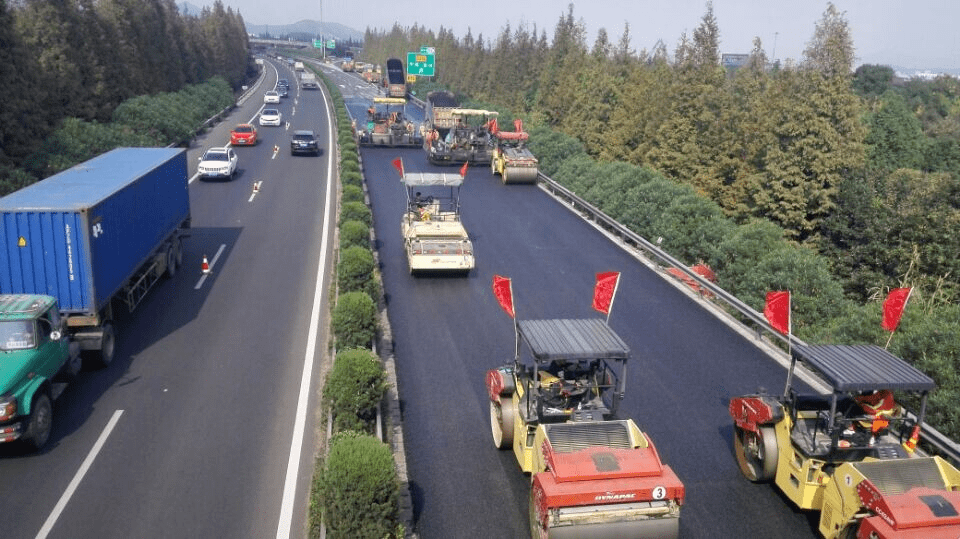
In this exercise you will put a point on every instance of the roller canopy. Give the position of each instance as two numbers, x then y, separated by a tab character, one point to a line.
589	338
442	179
862	367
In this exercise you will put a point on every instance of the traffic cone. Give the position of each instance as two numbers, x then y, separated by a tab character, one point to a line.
911	444
205	266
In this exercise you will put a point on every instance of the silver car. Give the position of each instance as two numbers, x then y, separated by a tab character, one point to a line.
271	96
218	163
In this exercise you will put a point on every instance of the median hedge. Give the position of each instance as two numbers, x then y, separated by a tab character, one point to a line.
354	389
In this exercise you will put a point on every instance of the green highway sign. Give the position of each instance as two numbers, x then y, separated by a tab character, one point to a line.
331	44
421	64
318	43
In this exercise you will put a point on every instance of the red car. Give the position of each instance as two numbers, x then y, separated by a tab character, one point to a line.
243	135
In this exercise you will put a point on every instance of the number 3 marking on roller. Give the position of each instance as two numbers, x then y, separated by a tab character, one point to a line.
659	493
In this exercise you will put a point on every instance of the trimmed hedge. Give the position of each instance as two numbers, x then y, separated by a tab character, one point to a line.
354	389
356	211
354	233
355	271
357	488
354	320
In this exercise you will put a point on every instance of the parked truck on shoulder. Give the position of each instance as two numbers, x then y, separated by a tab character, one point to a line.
107	229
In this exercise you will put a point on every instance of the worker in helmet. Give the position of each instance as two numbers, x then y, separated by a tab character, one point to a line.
878	407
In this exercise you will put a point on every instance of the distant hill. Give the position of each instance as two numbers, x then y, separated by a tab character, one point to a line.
306	29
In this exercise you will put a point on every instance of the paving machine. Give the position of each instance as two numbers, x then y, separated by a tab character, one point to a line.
511	159
592	475
388	125
851	454
434	238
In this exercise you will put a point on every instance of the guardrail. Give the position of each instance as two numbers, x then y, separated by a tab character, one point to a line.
932	438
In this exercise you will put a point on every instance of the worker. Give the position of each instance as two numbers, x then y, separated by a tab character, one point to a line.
878	406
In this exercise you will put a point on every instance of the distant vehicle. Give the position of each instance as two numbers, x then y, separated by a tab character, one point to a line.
388	125
270	117
271	96
283	91
218	163
243	135
433	235
396	83
304	142
283	82
298	66
308	81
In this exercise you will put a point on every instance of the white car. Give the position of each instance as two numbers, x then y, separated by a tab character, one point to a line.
271	97
270	117
218	163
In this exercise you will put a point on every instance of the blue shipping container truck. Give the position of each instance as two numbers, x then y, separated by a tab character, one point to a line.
107	228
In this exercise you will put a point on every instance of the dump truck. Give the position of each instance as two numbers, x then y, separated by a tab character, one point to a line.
850	454
388	125
107	229
592	474
511	159
308	81
348	65
395	82
434	237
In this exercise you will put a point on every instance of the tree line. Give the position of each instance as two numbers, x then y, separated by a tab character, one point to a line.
836	183
80	59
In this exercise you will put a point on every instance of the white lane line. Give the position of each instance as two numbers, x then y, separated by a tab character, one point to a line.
212	264
72	487
299	425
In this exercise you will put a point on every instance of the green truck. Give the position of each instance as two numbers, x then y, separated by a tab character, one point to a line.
37	359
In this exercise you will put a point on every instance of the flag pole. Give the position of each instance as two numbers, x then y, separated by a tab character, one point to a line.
793	362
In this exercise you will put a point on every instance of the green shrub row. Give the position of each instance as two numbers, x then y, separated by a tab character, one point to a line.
355	487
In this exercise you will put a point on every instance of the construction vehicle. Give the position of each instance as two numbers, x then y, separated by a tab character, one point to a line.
511	159
348	65
395	82
372	74
455	135
592	475
841	455
434	238
388	125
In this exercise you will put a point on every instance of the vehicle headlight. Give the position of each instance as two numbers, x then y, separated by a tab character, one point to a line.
8	407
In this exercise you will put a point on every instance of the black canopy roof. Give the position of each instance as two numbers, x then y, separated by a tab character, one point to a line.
589	338
863	367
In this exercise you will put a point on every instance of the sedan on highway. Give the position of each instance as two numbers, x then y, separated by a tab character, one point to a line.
271	96
270	117
304	142
283	91
218	163
243	135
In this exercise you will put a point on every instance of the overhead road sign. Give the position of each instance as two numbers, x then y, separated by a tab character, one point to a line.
421	64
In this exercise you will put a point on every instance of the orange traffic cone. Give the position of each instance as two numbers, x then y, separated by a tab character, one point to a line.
911	444
205	266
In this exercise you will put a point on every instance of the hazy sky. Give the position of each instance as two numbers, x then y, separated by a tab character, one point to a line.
921	34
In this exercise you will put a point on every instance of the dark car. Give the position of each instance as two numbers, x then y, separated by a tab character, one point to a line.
304	142
282	91
283	82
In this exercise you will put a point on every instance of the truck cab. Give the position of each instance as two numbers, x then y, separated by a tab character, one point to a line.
35	353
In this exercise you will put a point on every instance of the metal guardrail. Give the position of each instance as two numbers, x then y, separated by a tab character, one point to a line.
932	438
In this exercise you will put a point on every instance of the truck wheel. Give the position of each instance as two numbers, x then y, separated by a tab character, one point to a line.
757	453
171	261
178	249
40	422
501	424
105	356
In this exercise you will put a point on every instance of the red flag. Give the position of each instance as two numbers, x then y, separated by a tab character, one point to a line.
463	170
503	291
494	128
777	310
518	125
893	308
604	291
398	164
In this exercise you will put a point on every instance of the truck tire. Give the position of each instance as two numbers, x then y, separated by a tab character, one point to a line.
107	342
171	270
178	248
40	422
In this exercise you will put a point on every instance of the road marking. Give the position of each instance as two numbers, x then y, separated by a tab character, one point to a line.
212	264
256	189
75	482
299	425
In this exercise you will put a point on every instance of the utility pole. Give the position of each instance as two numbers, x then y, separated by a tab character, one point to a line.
323	38
773	60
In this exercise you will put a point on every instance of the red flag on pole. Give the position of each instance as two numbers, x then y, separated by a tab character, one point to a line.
463	170
777	310
503	291
893	308
398	164
494	128
604	291
518	125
